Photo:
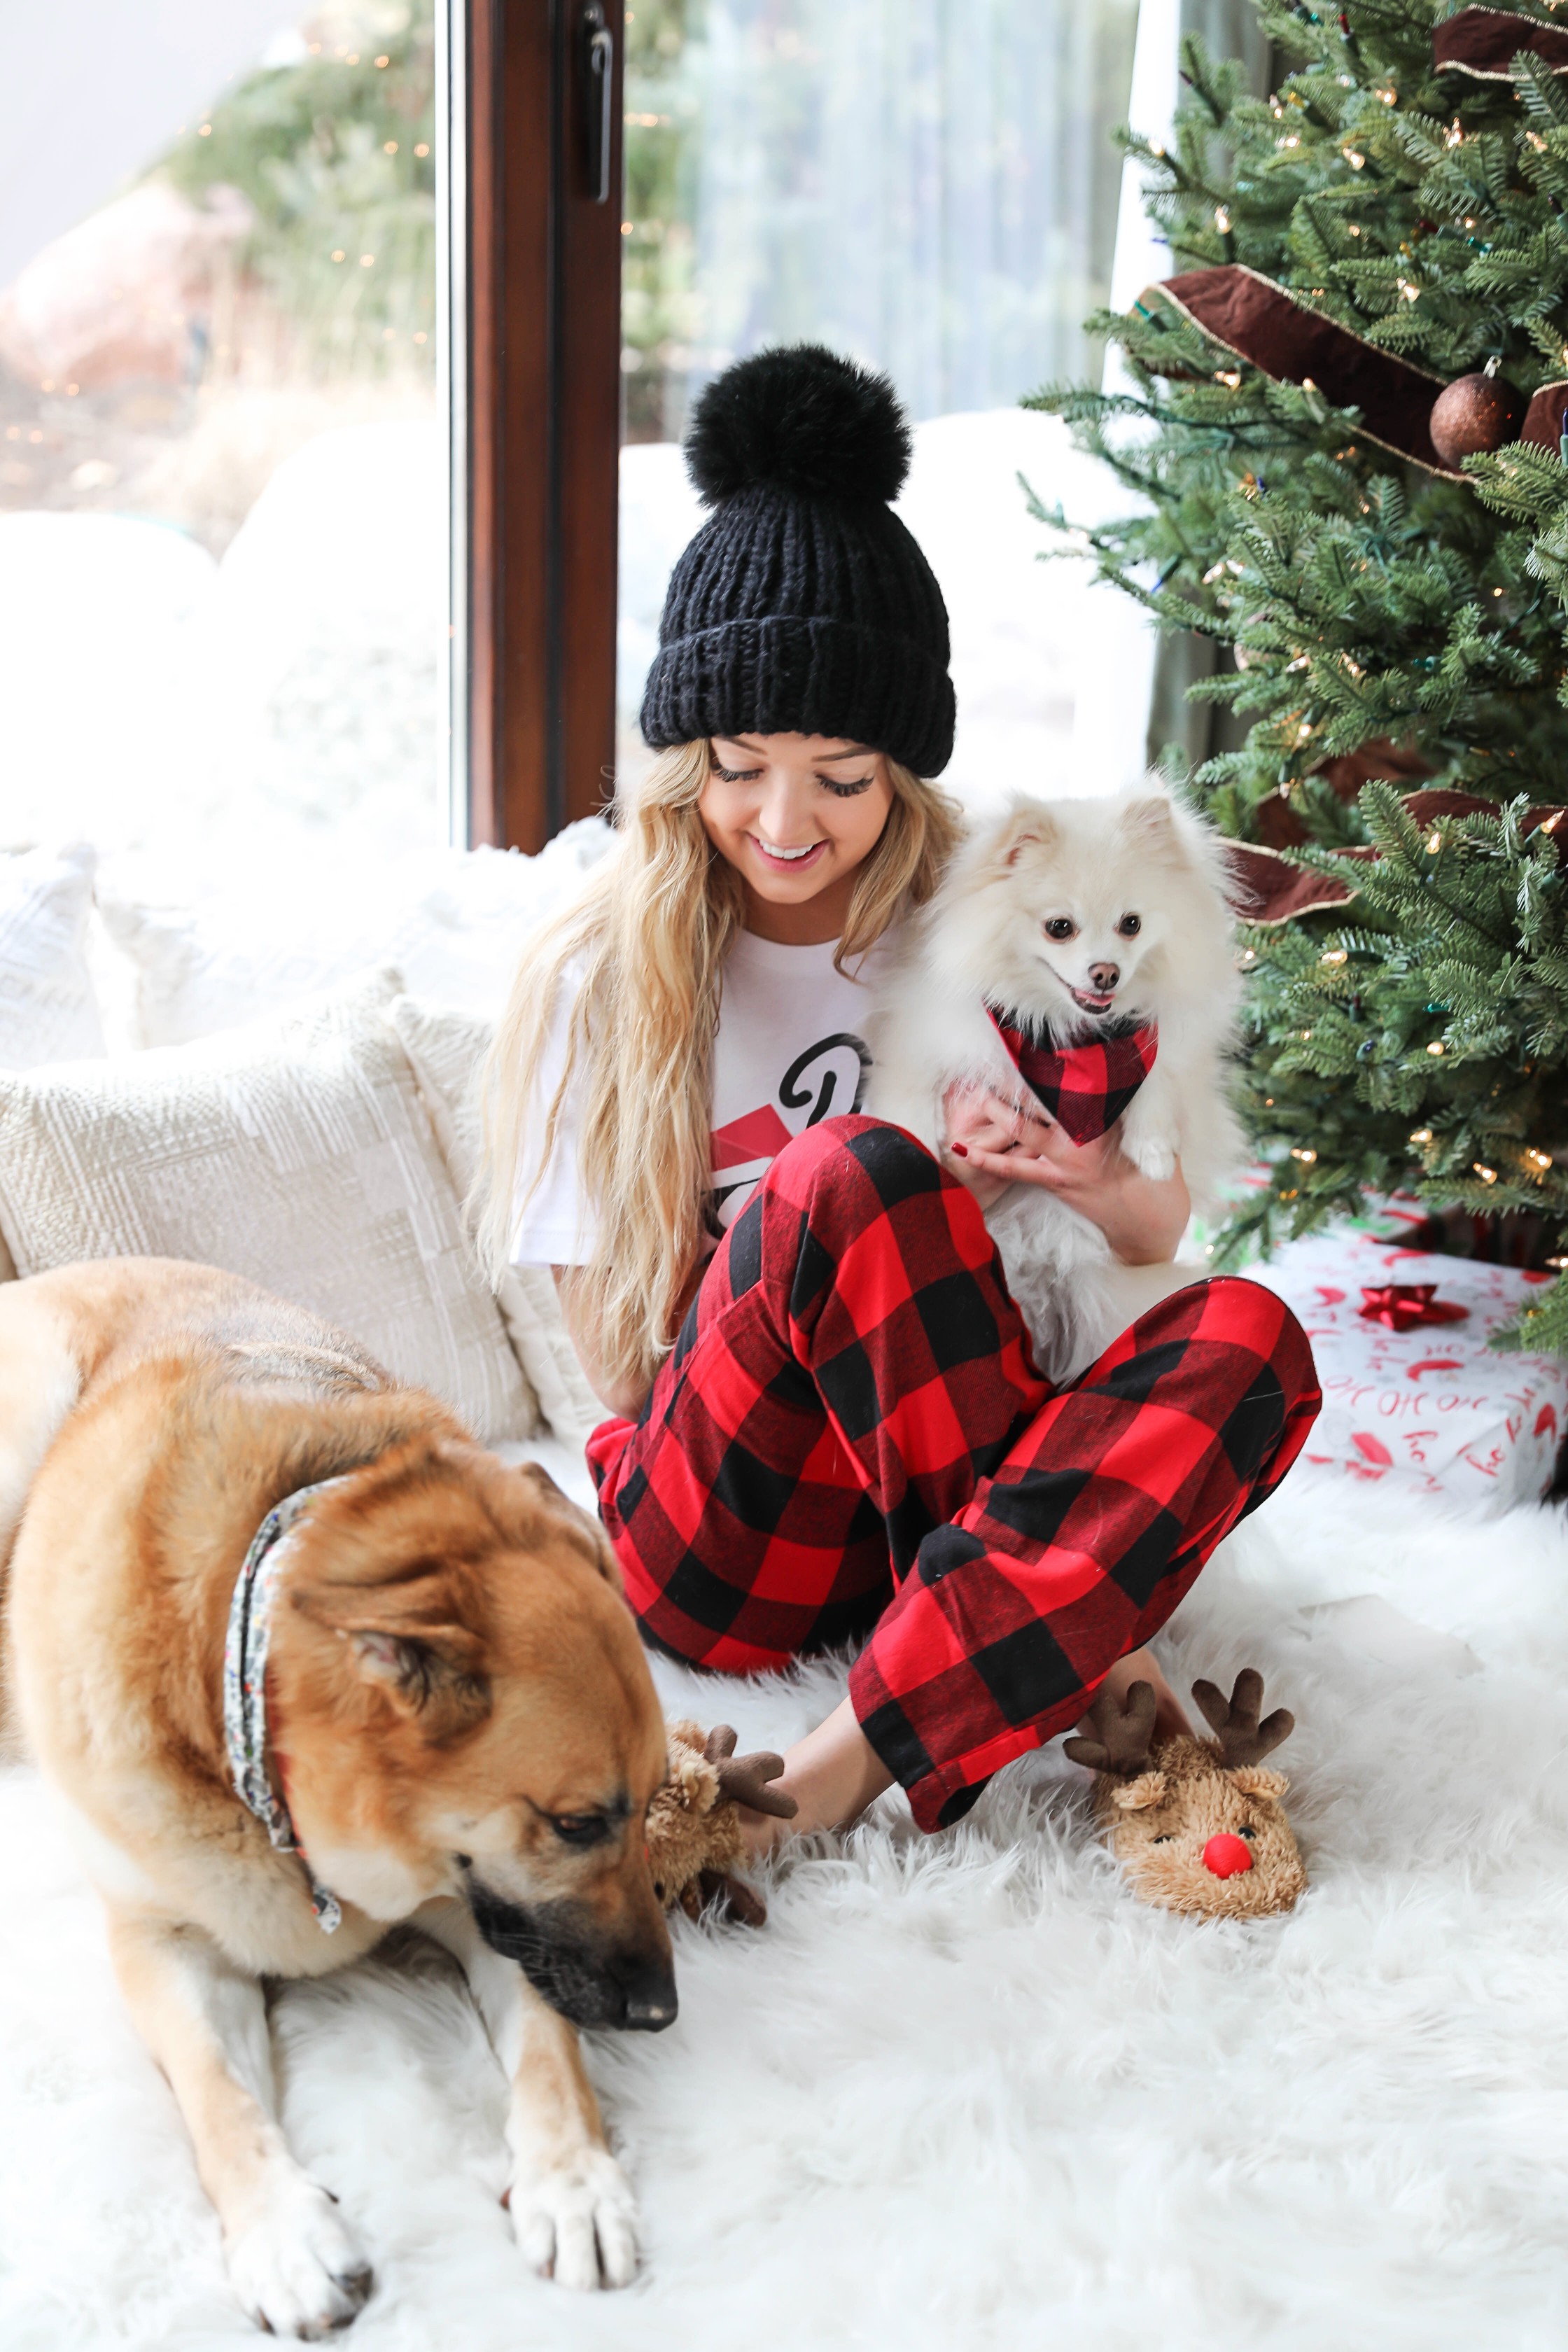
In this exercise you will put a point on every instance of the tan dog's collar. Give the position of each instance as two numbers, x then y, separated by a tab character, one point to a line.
245	1684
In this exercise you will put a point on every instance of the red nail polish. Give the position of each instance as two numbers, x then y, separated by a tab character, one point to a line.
960	1150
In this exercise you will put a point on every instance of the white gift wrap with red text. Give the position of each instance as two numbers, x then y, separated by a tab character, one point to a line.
1433	1406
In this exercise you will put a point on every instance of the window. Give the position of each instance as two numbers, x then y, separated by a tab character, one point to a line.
223	482
317	346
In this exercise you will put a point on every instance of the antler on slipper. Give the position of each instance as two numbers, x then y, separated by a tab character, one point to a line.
744	1780
1242	1738
1124	1735
694	1837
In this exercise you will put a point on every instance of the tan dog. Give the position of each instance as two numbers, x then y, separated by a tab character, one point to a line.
459	1716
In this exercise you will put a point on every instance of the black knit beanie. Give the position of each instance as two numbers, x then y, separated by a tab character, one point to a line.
803	606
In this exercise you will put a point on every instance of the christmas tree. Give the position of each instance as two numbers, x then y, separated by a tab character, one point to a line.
1346	433
334	154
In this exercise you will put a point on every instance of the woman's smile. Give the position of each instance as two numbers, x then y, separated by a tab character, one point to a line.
775	854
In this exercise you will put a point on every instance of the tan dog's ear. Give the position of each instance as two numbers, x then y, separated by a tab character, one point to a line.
1137	1796
409	1640
583	1524
1256	1780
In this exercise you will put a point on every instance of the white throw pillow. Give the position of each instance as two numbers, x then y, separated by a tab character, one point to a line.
445	1048
297	1152
48	1008
453	921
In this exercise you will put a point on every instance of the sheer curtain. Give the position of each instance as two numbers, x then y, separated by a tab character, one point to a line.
928	184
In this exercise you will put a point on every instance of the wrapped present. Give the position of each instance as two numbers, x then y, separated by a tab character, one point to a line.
1411	1390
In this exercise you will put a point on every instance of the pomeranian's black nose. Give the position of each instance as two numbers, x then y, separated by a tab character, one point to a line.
1105	976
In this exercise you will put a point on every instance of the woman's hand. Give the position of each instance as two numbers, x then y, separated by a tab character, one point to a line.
983	1128
991	1143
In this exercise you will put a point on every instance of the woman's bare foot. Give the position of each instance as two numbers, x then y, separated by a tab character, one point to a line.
833	1773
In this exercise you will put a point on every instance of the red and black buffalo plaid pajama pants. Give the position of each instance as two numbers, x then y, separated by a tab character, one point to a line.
850	1439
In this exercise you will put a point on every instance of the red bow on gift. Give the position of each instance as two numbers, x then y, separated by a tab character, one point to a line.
1402	1304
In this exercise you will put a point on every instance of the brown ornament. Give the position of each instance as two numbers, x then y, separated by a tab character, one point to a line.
1476	412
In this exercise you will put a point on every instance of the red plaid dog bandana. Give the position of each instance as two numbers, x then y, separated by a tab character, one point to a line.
1086	1089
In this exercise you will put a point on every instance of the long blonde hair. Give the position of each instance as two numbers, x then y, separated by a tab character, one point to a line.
651	932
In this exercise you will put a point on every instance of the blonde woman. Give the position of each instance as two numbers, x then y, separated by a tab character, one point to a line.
827	1424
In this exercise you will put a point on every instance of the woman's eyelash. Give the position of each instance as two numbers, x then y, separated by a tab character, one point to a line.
843	788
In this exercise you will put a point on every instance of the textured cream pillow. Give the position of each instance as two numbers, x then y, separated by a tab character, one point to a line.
444	1048
454	921
49	1011
295	1152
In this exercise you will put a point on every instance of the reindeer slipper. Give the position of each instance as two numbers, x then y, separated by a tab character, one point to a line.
694	1839
1195	1824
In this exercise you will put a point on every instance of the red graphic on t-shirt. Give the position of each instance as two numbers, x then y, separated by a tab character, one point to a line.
761	1135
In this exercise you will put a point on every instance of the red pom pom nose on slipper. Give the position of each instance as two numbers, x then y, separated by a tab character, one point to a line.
1225	1855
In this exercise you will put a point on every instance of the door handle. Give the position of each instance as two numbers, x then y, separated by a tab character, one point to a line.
596	63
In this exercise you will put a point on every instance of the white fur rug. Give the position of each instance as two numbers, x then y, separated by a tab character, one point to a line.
962	2092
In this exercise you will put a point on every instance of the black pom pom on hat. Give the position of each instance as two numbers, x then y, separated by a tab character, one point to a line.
803	605
804	421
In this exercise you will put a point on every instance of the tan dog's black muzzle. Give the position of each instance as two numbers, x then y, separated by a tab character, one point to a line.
567	1958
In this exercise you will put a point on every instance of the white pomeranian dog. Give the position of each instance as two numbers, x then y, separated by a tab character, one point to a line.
1078	962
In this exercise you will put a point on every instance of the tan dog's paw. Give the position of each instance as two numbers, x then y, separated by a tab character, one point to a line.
297	2269
579	2225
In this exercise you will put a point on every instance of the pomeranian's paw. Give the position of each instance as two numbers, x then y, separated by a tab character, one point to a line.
1152	1156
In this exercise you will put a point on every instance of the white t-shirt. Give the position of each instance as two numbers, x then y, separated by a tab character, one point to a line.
789	1050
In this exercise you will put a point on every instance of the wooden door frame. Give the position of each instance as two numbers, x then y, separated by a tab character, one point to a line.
533	331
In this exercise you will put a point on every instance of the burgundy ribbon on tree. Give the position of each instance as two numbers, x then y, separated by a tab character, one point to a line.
1086	1089
1265	325
1401	1305
1267	888
1484	42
